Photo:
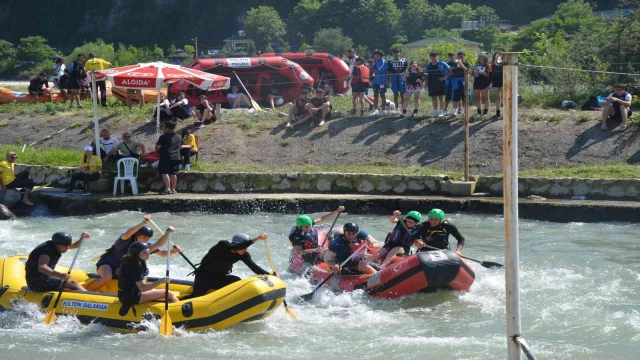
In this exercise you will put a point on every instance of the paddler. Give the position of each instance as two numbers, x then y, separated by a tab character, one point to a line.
40	267
435	233
110	261
215	268
344	245
304	236
399	241
133	288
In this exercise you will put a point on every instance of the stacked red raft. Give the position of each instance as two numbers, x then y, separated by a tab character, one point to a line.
423	271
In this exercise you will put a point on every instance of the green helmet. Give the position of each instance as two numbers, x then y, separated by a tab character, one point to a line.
414	215
436	214
303	220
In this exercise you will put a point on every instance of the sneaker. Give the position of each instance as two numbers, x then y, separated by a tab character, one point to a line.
173	192
460	112
435	113
144	165
440	113
374	113
79	106
187	167
371	107
454	112
198	125
361	112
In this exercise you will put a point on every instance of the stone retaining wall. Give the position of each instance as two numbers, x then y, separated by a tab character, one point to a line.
597	189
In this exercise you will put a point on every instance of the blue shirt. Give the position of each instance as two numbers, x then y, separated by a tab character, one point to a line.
381	67
442	67
343	249
399	237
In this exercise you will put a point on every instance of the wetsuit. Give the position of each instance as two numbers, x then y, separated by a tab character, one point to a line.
131	271
113	255
398	237
37	281
438	236
215	268
305	240
343	249
396	69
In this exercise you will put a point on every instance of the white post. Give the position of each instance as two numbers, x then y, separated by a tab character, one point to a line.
510	180
158	115
96	124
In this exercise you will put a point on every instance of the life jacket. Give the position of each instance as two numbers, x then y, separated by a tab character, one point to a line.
439	236
361	75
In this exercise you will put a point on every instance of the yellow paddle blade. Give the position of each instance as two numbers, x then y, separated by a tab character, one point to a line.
50	318
255	105
166	325
293	316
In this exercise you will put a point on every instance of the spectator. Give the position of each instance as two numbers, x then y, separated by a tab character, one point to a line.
350	60
397	67
90	170
107	143
496	80
436	72
179	107
203	112
10	180
360	78
94	63
238	100
319	107
127	148
64	85
129	98
57	70
298	113
412	77
456	83
76	68
274	98
189	148
37	86
617	104
165	114
168	146
379	71
481	82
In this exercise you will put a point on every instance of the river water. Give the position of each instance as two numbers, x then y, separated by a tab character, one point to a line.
580	297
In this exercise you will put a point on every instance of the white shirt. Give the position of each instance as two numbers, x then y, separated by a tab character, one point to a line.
107	145
59	69
625	96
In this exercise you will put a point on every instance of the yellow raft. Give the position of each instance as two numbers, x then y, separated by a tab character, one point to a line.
250	299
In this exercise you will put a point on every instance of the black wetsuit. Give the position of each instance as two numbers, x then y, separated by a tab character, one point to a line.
131	271
305	240
36	280
215	268
438	236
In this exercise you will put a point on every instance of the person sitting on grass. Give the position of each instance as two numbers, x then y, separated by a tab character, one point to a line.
298	113
617	104
274	98
90	170
10	180
319	107
179	107
203	112
188	149
238	100
164	109
127	148
37	86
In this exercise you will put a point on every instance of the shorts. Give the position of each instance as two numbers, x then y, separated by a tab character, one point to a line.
379	89
390	245
21	181
169	167
397	85
437	89
359	88
73	85
454	95
481	83
47	283
128	297
36	92
106	260
497	81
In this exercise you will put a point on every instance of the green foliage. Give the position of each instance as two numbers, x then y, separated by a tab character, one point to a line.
103	50
8	61
331	41
443	48
486	12
264	26
491	37
454	13
50	157
379	14
305	47
301	21
417	16
190	50
442	33
34	49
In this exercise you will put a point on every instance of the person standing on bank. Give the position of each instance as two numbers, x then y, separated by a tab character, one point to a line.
397	67
90	170
436	73
435	233
413	78
168	146
481	83
456	83
215	268
40	266
95	63
379	73
497	80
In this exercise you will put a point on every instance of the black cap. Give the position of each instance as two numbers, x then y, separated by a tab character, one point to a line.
42	74
137	247
145	231
92	54
351	227
61	238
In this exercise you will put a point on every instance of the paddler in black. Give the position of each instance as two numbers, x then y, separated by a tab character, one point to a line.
435	233
132	285
110	261
215	268
40	267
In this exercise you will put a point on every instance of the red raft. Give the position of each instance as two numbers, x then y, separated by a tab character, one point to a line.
257	74
321	66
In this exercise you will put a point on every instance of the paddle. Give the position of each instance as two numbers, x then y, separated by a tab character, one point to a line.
51	316
40	187
174	245
166	325
253	103
326	237
309	296
273	269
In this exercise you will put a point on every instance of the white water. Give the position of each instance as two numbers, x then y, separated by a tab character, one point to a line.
580	297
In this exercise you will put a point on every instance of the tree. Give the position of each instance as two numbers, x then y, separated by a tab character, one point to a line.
8	61
34	49
103	50
454	13
190	50
263	25
303	22
378	14
486	12
440	33
414	18
332	41
491	37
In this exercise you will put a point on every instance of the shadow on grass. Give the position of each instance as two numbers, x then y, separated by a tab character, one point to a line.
595	135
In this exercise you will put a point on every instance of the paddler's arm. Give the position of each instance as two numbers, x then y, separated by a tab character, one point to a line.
246	258
75	245
372	242
330	259
43	267
246	244
129	233
329	215
144	286
161	242
163	253
453	230
394	217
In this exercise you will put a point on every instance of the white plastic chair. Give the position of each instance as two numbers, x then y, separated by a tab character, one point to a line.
128	165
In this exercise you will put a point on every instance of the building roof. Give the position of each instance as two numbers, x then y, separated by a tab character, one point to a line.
432	41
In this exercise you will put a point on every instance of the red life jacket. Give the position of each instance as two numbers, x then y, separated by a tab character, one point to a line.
361	75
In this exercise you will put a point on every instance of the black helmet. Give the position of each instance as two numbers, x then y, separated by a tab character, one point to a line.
61	238
145	231
351	227
137	247
240	238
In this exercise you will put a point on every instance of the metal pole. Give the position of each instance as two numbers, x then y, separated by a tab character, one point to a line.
196	41
510	180
96	124
466	125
